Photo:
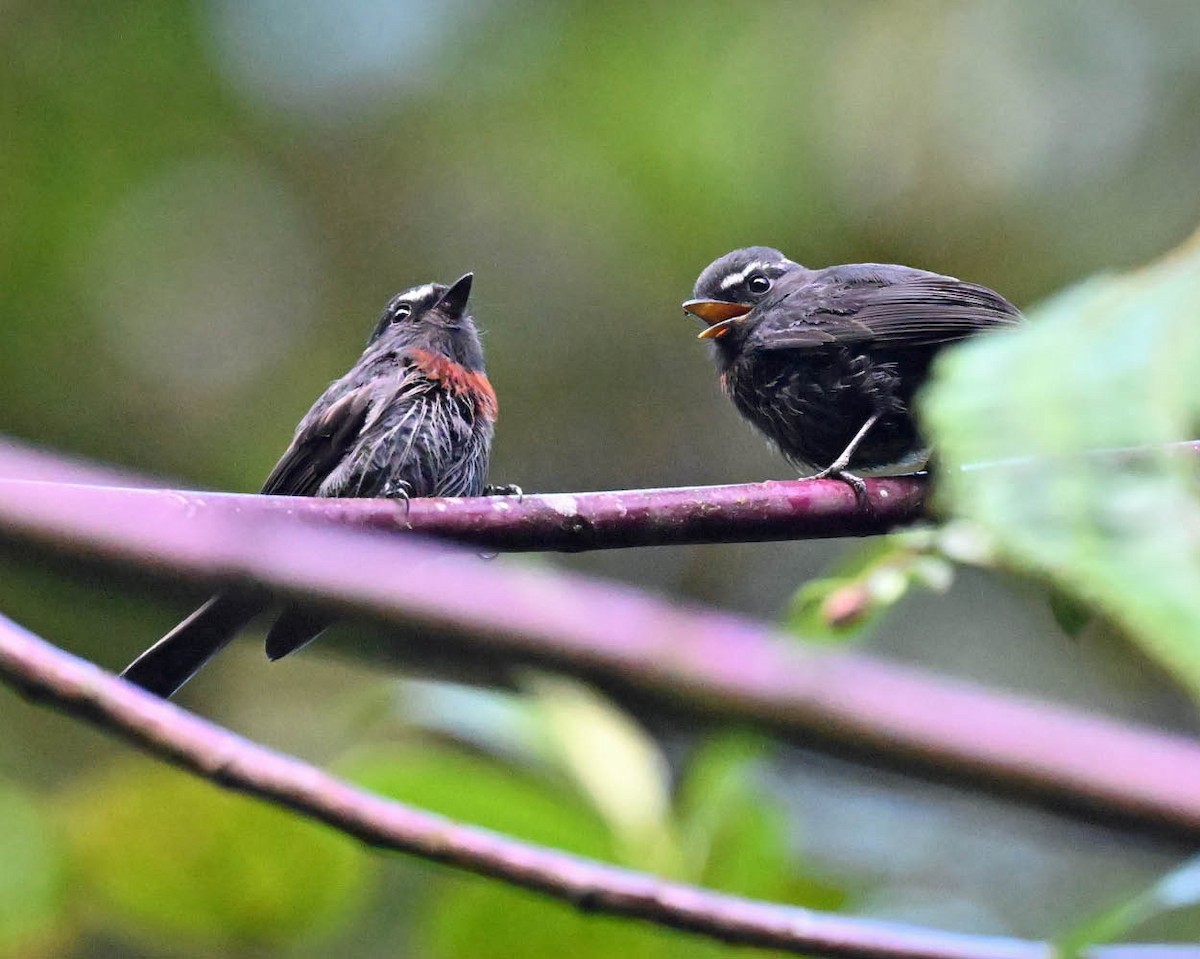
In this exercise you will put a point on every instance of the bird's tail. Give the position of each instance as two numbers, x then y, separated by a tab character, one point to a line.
173	660
296	626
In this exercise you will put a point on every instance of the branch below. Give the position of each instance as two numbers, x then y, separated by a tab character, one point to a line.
45	673
708	661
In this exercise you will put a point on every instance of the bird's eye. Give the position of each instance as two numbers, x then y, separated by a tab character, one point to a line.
401	312
758	284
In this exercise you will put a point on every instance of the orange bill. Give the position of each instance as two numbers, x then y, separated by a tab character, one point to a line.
720	315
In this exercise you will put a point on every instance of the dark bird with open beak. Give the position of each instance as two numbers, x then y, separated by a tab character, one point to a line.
826	362
413	417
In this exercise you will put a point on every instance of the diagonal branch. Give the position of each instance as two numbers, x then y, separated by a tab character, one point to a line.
23	461
43	672
703	660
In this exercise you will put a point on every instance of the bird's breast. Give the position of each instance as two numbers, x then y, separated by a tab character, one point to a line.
811	403
458	380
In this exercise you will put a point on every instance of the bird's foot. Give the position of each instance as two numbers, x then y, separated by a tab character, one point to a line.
507	489
398	489
837	470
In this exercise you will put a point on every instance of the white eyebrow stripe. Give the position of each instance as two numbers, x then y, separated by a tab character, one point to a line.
416	294
736	278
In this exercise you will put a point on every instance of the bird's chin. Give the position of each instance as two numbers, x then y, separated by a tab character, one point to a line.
718	330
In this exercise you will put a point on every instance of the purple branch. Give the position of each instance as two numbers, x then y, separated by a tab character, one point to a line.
566	522
572	522
21	461
703	659
46	673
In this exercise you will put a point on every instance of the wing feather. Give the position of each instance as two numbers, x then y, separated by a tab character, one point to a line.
321	442
889	307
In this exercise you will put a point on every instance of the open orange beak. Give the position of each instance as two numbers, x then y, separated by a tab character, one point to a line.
718	314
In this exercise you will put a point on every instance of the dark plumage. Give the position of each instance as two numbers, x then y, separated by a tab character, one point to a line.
413	417
826	362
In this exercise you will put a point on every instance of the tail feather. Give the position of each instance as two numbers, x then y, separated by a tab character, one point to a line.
173	660
296	626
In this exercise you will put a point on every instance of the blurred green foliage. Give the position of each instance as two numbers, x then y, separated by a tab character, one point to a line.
163	862
590	796
32	875
1178	890
869	581
1119	531
164	857
206	203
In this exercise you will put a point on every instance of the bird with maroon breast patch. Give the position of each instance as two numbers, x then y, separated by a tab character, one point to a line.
826	362
413	417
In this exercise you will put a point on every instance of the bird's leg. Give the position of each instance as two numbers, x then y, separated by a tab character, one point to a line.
838	467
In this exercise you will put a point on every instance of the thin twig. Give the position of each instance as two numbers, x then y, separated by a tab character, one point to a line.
50	675
702	659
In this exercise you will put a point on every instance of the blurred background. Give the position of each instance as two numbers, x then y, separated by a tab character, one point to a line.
206	205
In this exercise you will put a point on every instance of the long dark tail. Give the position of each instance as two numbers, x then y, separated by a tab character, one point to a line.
296	626
174	659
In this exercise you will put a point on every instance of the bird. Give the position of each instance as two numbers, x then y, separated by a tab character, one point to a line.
414	416
826	362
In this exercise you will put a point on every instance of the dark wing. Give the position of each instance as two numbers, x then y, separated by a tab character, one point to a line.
889	306
322	439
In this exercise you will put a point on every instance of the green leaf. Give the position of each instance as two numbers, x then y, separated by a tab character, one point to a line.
471	918
616	765
475	919
735	838
869	582
1072	616
1179	889
735	835
1018	418
172	859
841	606
480	919
31	875
485	792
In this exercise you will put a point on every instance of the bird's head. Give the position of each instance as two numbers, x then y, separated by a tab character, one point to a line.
731	287
432	317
